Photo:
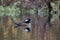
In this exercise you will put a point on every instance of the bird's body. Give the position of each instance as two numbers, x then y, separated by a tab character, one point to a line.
19	24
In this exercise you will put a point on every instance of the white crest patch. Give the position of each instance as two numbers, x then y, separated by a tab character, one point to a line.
26	20
26	30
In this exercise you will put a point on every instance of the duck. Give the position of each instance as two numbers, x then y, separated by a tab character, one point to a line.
24	24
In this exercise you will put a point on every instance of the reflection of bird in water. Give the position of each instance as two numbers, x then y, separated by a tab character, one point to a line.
25	25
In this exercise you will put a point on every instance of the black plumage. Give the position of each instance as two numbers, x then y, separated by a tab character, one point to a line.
17	24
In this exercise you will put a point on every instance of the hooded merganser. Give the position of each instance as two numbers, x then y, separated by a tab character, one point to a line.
24	24
27	21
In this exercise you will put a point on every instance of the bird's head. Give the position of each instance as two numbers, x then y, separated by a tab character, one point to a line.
27	29
27	20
